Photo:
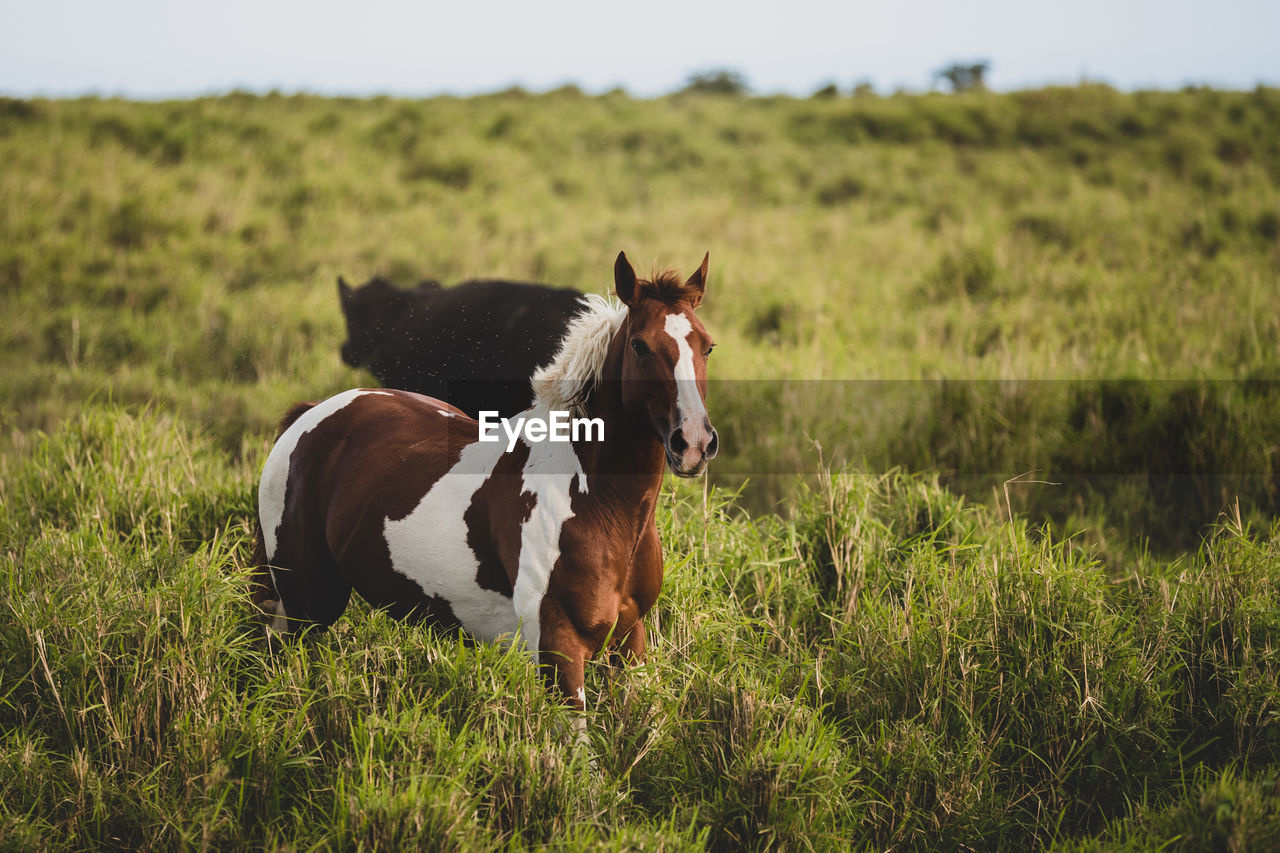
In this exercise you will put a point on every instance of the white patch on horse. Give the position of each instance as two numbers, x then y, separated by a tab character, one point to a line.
580	722
692	410
280	621
447	413
275	473
548	476
429	546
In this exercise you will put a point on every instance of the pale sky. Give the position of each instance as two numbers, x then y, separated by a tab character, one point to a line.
171	48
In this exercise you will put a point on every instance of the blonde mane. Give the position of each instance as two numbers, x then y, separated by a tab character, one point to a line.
567	382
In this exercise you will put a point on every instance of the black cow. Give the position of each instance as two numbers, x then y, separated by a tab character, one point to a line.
474	345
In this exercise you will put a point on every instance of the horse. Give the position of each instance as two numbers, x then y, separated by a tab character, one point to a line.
475	344
549	543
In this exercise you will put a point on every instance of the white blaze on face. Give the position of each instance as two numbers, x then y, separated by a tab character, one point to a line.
693	414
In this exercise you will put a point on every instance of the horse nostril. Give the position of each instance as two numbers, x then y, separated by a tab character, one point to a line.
677	442
714	444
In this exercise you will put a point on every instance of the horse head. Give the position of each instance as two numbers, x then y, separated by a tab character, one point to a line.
664	351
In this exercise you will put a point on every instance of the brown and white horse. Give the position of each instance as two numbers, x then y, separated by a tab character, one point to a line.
395	495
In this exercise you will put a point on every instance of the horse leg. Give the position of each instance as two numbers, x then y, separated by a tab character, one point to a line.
568	672
562	657
311	591
646	572
631	648
268	609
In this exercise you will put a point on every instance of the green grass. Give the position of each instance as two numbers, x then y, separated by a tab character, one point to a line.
890	667
904	652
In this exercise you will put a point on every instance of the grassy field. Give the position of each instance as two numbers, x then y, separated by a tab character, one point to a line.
866	638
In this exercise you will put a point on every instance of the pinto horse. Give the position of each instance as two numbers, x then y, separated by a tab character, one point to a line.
396	495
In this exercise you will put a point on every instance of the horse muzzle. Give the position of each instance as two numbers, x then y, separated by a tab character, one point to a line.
689	450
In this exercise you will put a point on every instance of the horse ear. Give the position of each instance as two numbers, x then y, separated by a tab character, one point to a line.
698	282
624	280
344	289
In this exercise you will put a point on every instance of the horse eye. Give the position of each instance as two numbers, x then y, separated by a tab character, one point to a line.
639	346
710	350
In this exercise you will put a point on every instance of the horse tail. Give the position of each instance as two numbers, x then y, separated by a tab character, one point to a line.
295	412
263	592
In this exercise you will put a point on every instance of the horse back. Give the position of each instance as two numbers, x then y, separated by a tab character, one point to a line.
358	453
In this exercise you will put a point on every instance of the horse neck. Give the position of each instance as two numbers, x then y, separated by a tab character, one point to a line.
631	457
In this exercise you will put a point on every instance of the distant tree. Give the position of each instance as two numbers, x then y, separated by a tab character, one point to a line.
828	91
719	81
568	90
964	77
864	89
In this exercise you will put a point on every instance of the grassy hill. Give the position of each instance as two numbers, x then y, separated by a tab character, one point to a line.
952	289
186	253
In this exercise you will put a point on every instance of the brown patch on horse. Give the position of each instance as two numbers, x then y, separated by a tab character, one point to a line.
392	485
402	598
498	510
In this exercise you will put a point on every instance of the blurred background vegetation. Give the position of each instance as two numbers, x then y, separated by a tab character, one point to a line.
183	254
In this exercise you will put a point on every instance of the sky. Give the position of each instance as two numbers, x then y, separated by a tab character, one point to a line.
176	49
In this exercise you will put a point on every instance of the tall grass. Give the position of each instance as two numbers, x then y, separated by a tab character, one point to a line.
186	253
891	667
915	300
